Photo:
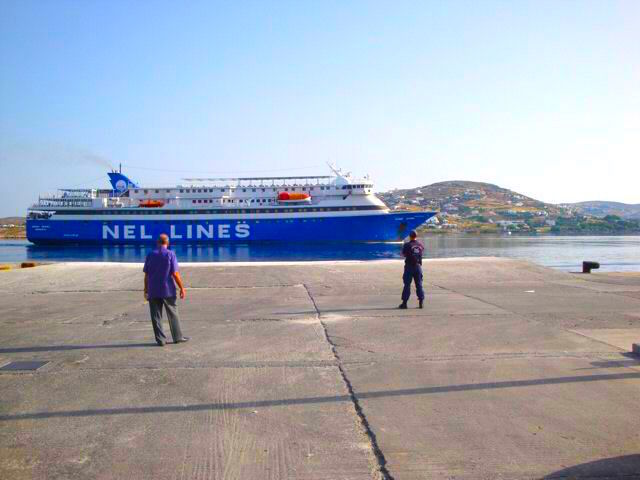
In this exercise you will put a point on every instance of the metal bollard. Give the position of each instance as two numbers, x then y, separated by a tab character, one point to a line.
588	266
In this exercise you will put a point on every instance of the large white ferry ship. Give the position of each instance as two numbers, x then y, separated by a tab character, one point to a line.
333	207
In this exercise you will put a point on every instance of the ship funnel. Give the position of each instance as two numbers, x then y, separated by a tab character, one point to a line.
120	182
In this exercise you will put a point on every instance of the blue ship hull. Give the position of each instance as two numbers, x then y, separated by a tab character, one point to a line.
362	228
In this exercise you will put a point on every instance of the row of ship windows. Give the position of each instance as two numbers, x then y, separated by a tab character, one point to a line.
230	200
217	211
223	190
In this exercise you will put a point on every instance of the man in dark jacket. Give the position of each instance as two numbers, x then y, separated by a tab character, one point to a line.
412	252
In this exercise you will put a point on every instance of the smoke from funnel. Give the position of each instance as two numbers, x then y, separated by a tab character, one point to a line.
98	160
50	153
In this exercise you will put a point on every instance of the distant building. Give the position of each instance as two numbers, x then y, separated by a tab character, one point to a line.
506	223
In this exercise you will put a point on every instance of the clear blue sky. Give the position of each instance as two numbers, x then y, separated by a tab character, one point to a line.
541	97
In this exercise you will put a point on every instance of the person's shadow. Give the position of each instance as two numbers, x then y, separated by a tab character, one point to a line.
62	348
627	466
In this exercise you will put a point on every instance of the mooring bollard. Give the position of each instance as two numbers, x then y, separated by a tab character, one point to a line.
588	266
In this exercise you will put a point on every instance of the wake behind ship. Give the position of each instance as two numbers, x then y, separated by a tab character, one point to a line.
310	208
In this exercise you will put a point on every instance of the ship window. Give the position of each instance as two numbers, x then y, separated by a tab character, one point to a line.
146	191
253	190
264	189
193	201
181	191
244	189
304	189
136	191
168	191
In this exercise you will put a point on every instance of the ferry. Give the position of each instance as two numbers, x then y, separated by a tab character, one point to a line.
326	208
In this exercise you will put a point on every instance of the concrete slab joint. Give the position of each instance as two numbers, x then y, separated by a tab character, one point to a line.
380	461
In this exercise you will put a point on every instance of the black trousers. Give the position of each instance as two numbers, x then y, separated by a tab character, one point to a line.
155	308
412	273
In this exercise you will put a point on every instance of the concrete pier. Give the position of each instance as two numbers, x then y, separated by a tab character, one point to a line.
308	371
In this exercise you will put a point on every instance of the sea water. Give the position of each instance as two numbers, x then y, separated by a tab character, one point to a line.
615	253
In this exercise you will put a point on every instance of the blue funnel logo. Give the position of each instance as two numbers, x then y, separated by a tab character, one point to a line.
120	182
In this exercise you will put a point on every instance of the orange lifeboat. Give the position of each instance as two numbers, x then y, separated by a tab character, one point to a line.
151	203
293	197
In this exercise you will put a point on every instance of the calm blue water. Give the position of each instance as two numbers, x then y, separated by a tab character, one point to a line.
566	253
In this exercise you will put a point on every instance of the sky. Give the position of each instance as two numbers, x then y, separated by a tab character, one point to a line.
541	97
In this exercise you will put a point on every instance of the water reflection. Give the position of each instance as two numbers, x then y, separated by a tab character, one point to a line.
613	253
254	252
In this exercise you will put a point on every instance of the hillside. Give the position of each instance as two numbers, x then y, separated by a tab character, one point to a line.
12	227
604	208
12	221
477	207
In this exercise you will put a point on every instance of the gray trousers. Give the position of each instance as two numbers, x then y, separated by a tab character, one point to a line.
169	304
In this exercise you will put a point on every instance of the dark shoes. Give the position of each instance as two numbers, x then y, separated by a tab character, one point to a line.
403	305
161	344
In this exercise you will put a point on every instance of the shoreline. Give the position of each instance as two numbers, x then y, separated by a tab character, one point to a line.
421	235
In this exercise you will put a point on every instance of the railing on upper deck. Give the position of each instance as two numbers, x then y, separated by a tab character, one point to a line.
216	182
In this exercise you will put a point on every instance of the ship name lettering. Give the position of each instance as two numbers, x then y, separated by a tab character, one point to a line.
177	232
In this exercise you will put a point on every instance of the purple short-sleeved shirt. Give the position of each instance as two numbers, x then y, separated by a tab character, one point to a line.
160	266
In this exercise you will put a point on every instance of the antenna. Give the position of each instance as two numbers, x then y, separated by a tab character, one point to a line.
334	169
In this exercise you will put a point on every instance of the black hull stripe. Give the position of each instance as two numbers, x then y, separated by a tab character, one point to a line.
235	211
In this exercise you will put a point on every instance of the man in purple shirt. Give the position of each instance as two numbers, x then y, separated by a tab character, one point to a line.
160	278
